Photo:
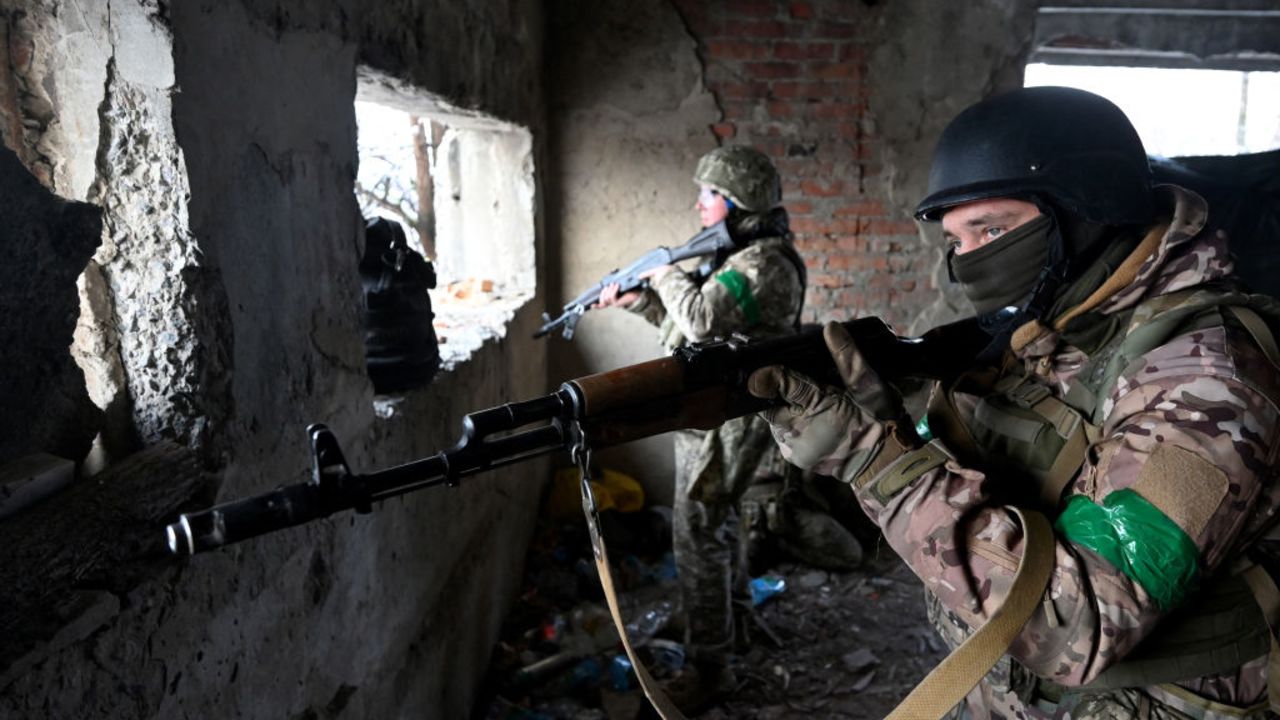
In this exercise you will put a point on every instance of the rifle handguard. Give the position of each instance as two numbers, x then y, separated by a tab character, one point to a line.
699	387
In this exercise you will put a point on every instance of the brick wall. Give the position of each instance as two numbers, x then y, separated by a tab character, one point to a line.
791	79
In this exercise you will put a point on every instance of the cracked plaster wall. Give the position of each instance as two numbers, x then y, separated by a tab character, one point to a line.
631	117
219	139
847	97
930	62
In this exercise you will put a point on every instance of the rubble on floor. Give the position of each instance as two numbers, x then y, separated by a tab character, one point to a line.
844	644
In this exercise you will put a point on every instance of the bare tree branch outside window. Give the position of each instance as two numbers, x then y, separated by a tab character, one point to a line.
395	170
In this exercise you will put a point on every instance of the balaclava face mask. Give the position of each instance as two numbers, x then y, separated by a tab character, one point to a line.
1004	272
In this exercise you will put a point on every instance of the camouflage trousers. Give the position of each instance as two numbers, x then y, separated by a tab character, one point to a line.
1010	691
713	470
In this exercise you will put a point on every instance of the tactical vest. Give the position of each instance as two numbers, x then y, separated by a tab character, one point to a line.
1019	426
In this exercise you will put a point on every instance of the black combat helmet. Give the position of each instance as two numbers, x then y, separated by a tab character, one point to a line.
1069	146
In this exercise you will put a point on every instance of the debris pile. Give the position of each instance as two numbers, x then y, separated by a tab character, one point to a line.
845	644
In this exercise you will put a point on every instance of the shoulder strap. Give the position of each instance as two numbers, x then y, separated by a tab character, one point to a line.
1149	325
1259	330
1267	595
662	704
959	672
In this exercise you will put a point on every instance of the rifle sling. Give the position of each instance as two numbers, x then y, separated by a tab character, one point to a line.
948	684
661	703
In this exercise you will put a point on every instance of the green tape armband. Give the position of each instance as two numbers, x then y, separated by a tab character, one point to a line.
737	285
922	429
1138	539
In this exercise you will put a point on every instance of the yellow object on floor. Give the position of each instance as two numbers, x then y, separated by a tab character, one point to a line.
613	491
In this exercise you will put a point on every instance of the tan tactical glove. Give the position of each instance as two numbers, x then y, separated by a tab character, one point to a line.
850	434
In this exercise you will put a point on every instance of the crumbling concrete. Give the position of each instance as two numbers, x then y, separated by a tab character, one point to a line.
632	117
218	139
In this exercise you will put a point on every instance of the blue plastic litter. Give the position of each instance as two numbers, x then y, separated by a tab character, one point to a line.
765	587
621	673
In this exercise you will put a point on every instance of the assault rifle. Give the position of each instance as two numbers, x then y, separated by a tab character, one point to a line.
710	241
700	386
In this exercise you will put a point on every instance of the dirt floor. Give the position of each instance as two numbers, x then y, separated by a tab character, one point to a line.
852	645
835	645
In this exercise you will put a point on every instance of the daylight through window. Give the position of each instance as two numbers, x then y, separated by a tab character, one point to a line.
462	187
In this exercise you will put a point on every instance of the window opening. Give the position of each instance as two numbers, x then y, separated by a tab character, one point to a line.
461	185
1235	112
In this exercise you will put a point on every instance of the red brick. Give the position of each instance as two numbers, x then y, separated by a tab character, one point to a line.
790	50
850	131
806	225
849	299
807	243
892	227
772	148
851	52
813	187
865	208
799	89
701	17
836	110
830	227
780	109
839	262
773	70
834	71
755	8
724	130
801	10
737	50
850	243
876	264
800	207
836	30
739	109
741	89
771	29
827	280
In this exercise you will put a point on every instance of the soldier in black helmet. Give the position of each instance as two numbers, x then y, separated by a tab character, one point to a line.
1105	474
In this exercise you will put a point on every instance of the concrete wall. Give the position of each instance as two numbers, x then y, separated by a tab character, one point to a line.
847	97
630	116
219	139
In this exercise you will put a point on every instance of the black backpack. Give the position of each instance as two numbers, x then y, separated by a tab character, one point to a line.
1243	192
401	350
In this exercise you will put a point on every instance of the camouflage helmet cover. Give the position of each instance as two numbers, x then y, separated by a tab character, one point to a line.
744	175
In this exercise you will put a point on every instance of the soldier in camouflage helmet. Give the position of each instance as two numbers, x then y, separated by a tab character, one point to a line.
757	289
1129	394
742	174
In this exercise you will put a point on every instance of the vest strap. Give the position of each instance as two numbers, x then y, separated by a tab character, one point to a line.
1267	595
905	469
1259	330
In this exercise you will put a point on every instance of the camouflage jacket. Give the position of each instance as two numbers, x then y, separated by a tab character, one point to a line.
756	291
1207	392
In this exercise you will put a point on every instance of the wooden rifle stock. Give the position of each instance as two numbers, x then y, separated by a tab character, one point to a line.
698	387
